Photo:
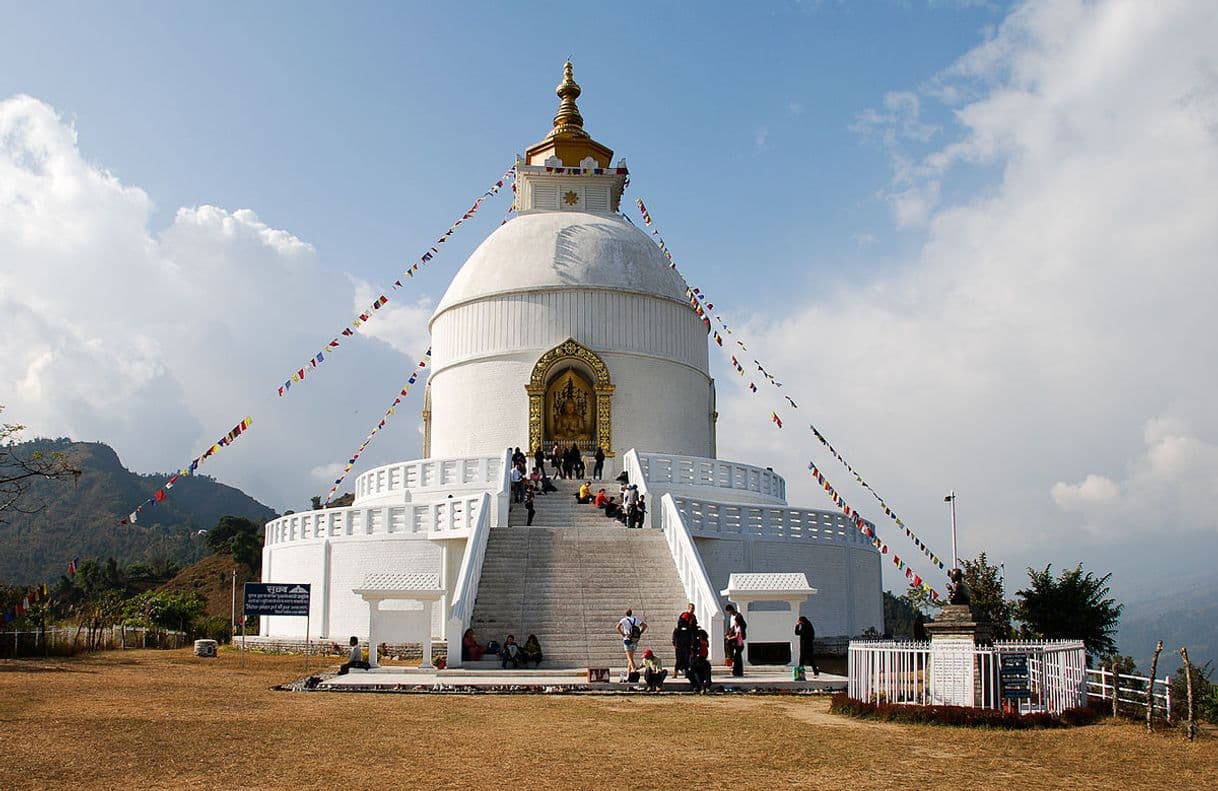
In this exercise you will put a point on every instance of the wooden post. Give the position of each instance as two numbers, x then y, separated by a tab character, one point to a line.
1116	689
1192	708
1150	690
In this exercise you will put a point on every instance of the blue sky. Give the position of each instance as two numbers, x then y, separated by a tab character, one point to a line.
369	126
975	239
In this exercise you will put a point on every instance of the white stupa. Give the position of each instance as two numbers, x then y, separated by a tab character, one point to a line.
566	325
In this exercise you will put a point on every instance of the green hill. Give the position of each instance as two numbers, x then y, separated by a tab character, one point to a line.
81	519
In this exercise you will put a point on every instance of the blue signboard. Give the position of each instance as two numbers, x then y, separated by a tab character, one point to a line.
276	598
1013	677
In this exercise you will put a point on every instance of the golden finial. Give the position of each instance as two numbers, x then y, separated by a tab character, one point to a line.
568	121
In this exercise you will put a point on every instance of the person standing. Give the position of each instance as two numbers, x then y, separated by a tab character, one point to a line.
556	460
528	504
631	629
517	478
683	639
807	644
598	469
539	457
735	638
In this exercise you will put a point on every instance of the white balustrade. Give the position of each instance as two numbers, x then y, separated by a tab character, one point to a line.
465	591
714	519
891	672
663	471
391	480
448	518
694	579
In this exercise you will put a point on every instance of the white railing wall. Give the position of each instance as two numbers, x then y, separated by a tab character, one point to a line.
712	519
1133	690
447	518
396	480
694	579
668	470
465	591
504	491
904	673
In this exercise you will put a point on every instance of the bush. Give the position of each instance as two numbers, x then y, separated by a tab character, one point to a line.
962	716
213	627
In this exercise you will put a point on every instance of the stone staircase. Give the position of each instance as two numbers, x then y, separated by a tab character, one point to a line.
569	578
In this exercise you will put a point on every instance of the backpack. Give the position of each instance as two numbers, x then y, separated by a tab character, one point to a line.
635	630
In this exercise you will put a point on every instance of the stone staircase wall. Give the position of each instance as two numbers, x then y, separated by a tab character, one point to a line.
569	579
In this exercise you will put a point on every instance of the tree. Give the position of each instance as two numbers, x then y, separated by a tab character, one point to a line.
899	616
18	469
240	537
920	599
1075	605
988	599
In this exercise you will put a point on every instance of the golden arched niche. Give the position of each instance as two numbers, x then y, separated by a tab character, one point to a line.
570	399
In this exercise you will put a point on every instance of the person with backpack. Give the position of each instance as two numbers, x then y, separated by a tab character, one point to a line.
631	629
683	639
734	638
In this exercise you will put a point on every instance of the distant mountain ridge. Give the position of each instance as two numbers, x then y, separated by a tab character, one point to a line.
82	519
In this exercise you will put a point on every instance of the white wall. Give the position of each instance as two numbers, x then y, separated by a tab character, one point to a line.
849	597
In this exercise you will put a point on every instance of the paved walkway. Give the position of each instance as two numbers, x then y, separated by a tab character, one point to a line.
410	679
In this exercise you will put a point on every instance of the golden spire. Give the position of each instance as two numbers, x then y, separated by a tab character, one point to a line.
567	121
567	140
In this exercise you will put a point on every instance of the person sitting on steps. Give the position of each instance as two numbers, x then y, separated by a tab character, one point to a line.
532	651
510	652
584	495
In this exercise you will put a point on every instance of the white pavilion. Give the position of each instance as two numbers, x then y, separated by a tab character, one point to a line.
565	325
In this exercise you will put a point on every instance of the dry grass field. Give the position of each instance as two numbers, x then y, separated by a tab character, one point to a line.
146	719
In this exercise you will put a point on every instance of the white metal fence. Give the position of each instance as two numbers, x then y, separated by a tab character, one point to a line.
1053	676
1133	691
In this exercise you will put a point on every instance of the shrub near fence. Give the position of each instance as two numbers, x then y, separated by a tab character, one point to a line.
69	640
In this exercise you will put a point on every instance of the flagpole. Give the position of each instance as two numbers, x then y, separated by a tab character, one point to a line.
955	554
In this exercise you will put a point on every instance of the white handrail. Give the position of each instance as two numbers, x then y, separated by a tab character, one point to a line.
634	472
503	493
694	579
465	592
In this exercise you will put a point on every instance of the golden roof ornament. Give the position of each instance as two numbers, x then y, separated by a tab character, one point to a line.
567	140
568	123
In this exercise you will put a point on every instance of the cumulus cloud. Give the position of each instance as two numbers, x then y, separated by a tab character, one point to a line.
159	342
1174	481
1049	311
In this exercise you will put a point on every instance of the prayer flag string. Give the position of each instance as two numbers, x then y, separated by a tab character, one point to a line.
34	595
380	424
701	305
383	299
868	530
161	493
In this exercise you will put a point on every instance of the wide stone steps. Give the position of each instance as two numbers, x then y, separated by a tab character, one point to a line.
570	582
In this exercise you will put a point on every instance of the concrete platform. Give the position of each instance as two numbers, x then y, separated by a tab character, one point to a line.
558	680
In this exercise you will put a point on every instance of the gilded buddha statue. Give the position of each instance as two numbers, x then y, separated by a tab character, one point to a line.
570	424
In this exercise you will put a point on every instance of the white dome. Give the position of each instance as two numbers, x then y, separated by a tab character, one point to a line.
561	250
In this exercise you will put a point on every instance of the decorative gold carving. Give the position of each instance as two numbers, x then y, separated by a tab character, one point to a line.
546	387
570	198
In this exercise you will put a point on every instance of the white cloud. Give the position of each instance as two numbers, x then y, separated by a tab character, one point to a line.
1049	311
1174	481
158	343
760	138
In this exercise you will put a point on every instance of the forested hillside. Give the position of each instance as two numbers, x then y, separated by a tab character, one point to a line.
81	519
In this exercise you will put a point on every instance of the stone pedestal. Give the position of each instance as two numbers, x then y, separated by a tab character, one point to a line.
953	666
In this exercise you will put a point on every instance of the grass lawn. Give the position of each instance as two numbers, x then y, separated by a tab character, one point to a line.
151	719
